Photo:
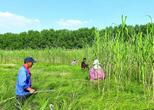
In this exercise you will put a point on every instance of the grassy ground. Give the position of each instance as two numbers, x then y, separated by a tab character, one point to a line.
73	90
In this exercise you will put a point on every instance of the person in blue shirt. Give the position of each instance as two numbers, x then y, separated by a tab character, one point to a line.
24	85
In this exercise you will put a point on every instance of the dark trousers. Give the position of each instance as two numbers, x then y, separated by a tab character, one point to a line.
20	101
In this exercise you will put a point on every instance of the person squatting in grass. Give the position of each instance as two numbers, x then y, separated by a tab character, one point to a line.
84	65
23	84
96	72
74	62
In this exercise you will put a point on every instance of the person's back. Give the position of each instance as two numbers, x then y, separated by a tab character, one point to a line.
96	72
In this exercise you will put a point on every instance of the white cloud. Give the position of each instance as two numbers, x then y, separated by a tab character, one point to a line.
10	22
71	23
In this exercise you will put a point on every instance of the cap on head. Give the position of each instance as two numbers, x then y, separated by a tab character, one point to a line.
29	59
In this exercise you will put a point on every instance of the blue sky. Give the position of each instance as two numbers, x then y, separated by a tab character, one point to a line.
22	15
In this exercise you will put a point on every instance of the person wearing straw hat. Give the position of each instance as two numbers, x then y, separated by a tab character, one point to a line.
23	84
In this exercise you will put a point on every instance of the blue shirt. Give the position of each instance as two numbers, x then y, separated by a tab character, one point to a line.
23	82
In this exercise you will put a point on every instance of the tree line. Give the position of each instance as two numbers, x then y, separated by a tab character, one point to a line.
69	39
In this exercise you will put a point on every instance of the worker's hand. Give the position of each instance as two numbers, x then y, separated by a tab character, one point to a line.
31	90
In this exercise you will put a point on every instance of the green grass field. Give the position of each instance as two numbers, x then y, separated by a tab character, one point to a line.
73	90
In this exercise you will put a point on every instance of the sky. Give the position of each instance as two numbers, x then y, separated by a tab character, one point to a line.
22	15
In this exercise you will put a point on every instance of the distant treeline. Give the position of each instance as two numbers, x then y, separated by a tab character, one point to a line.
69	39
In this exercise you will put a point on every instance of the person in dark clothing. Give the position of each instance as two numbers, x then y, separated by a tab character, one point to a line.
83	64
